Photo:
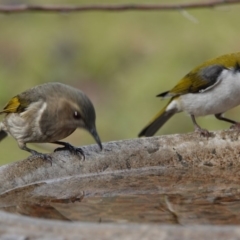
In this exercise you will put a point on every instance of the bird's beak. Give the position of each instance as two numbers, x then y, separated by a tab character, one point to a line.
96	137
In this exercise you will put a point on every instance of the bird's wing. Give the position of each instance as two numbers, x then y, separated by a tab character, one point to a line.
20	102
15	105
205	75
198	80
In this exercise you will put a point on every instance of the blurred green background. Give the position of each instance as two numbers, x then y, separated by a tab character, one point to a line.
121	60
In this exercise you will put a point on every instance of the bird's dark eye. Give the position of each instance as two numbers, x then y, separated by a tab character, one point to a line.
76	115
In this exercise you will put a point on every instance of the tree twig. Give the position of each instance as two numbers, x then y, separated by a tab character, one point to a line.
23	8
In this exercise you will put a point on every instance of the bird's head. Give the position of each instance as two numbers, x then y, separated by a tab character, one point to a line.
83	114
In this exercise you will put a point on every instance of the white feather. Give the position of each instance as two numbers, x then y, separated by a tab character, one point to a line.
19	126
218	99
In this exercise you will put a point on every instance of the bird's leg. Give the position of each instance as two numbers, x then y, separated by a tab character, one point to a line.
198	129
235	125
70	148
34	153
221	118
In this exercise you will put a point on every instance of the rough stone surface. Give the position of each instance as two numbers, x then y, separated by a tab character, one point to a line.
177	179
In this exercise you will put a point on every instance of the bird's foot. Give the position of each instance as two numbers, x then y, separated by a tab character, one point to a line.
71	149
43	156
203	132
235	126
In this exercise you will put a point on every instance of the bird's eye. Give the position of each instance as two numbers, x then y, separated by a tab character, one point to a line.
76	115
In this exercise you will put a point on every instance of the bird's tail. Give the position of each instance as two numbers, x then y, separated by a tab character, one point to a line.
3	134
158	121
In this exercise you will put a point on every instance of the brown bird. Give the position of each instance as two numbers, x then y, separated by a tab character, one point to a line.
48	113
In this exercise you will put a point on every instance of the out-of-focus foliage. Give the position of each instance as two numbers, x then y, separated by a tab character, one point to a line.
121	60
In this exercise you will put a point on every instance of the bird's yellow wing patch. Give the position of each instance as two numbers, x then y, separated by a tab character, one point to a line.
204	75
191	83
12	106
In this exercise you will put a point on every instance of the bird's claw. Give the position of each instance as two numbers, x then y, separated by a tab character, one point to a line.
71	149
235	126
203	132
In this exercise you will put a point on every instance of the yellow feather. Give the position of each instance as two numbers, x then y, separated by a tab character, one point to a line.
192	81
12	106
161	112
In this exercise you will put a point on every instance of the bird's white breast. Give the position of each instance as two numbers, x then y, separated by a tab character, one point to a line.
25	126
218	99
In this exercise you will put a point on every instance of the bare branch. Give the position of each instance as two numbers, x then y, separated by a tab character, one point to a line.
110	7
